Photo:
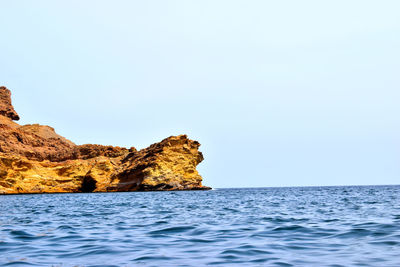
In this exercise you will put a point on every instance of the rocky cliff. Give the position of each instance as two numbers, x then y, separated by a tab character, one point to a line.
35	159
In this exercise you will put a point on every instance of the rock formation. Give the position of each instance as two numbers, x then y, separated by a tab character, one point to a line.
6	108
35	159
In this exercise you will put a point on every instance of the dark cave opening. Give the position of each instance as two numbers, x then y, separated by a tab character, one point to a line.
88	184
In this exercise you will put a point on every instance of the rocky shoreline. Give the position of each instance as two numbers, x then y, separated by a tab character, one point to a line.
35	159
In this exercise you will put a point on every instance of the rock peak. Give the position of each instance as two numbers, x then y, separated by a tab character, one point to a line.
6	107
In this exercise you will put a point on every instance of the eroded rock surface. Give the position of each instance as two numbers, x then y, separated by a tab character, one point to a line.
6	108
35	159
170	164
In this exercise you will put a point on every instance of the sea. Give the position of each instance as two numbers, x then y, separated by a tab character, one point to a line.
292	226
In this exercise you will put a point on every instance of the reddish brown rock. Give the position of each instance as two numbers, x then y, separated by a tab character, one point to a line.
35	159
6	108
31	145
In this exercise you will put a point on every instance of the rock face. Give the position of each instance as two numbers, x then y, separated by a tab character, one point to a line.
170	164
35	159
6	108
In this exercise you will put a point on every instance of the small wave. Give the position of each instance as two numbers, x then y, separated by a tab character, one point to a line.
22	235
357	232
153	258
386	243
296	228
172	230
20	263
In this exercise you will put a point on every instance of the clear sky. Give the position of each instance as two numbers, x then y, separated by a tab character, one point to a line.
279	93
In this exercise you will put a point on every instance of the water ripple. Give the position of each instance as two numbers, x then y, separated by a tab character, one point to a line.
304	226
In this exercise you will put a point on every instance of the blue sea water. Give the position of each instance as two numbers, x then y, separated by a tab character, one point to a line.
302	226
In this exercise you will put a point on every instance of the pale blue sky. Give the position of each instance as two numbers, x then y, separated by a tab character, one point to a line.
279	93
